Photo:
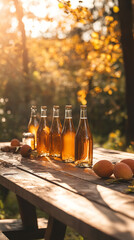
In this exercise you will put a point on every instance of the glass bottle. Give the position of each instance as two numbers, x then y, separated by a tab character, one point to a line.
83	141
29	139
33	123
55	134
43	134
68	137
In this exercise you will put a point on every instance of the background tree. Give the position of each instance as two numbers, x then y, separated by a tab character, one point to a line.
20	15
127	28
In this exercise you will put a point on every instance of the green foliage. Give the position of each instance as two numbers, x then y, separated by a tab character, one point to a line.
2	212
115	141
11	207
130	148
72	235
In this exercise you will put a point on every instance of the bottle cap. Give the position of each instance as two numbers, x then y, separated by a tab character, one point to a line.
56	106
33	107
44	107
68	106
27	135
83	106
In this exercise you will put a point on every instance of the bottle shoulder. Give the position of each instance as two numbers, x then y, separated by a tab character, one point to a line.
56	126
83	129
33	121
43	126
68	126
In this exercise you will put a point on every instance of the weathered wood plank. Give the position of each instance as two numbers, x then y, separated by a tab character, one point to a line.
43	169
94	192
65	175
38	166
99	154
83	215
2	236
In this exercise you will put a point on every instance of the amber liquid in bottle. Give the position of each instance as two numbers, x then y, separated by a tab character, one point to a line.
55	134
83	141
43	134
68	137
33	123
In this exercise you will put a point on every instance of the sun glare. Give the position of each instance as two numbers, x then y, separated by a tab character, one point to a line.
1	5
49	8
42	9
48	16
85	3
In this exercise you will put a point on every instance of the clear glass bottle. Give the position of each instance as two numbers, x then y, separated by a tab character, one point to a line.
33	123
68	137
29	139
83	141
55	134
43	134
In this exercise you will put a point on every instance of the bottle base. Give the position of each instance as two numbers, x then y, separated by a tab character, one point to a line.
43	154
67	160
83	164
55	155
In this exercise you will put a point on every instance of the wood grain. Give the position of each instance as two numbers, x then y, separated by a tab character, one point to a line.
74	196
76	211
2	236
86	183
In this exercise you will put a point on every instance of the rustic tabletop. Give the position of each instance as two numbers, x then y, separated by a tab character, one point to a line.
71	196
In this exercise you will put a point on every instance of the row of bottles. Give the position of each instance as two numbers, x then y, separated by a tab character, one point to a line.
64	143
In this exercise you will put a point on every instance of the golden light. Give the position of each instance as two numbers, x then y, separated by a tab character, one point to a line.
1	5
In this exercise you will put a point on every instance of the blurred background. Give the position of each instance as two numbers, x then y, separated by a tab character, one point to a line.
62	52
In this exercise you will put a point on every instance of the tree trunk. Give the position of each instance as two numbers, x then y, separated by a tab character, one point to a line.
19	13
126	23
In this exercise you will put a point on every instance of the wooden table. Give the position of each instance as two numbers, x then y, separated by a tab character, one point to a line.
71	196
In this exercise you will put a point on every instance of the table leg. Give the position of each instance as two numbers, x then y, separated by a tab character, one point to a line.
28	214
55	230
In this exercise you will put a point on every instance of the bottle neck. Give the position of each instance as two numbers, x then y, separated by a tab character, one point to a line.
56	112
56	124
33	112
68	113
83	127
68	122
83	113
43	112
